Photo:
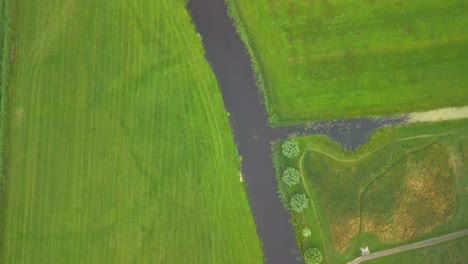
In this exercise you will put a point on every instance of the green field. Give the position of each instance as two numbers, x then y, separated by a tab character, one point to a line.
118	146
5	41
334	59
3	21
452	252
405	184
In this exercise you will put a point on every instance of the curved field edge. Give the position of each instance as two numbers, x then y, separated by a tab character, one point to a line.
120	149
323	145
256	64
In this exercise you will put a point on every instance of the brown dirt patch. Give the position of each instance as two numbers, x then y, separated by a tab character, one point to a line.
440	114
426	200
343	232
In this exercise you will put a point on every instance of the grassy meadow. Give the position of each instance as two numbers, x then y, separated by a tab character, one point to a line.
451	252
118	146
334	59
3	19
3	22
405	184
5	41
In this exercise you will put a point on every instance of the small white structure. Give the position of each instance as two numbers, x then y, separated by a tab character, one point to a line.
365	251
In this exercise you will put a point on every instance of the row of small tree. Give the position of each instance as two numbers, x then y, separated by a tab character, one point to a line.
298	202
291	176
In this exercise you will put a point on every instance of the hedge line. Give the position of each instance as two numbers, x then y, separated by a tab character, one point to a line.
279	163
241	29
5	28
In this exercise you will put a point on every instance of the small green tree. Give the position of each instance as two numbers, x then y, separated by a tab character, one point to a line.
299	202
290	148
291	176
313	256
306	232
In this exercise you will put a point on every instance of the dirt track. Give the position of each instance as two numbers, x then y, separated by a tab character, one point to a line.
439	115
421	244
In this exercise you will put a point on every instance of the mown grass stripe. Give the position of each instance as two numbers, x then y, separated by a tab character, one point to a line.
127	151
342	59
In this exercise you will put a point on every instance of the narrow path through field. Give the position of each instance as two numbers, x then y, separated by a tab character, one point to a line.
317	219
416	245
439	115
376	149
231	64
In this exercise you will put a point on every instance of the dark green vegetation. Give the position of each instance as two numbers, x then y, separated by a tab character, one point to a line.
334	59
452	252
299	202
291	176
119	149
313	256
306	232
290	149
406	184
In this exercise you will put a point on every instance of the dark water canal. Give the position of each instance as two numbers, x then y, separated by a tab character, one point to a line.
231	64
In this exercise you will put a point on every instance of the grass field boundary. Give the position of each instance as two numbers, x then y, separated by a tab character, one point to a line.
241	28
279	164
377	149
4	75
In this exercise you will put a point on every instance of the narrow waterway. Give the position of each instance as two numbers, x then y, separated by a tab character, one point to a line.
231	64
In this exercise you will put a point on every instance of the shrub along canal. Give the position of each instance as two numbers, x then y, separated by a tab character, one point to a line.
231	64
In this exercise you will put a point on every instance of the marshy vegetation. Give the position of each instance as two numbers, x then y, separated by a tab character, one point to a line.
406	184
